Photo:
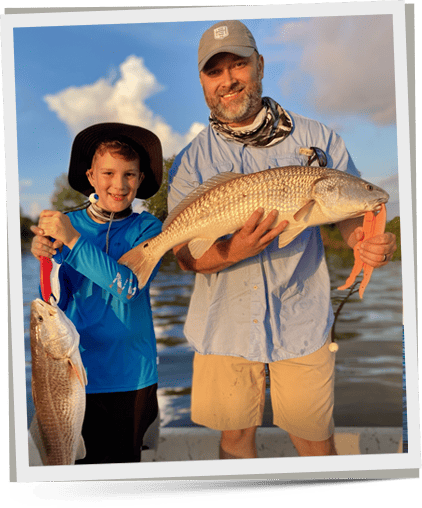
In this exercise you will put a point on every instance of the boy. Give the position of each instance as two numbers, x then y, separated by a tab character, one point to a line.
118	163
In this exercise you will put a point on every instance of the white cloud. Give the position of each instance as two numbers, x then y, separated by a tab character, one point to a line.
25	183
33	204
346	65
120	99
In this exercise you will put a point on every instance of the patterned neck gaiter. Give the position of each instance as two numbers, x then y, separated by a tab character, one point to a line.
275	126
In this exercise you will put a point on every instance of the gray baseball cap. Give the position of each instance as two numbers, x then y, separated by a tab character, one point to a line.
225	37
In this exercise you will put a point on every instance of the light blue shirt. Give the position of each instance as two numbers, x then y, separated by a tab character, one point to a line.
275	305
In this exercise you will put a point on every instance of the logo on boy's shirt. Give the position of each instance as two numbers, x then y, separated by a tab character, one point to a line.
131	290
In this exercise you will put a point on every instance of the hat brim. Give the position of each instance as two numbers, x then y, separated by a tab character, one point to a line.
143	141
244	51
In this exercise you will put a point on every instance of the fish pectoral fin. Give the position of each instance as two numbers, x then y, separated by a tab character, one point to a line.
198	246
79	371
289	235
81	451
304	211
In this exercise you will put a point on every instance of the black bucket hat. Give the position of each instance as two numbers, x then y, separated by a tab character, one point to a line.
143	141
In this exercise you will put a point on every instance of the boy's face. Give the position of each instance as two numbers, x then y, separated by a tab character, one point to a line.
115	180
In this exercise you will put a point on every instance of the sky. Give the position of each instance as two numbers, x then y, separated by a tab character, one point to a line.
338	70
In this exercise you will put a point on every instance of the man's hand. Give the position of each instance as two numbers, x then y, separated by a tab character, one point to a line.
254	236
378	250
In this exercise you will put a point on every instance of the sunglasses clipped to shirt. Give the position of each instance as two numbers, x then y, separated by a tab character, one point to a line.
317	155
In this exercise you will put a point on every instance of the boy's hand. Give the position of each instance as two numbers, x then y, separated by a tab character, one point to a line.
42	245
58	226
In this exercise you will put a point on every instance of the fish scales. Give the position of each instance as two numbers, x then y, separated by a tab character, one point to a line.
58	386
231	203
304	196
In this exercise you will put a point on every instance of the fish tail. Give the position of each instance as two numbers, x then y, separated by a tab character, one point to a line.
142	261
357	267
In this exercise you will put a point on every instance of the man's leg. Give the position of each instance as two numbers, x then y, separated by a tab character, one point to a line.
238	444
302	396
228	394
306	448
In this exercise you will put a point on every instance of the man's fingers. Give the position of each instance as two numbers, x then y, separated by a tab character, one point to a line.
257	225
378	250
274	232
266	224
251	224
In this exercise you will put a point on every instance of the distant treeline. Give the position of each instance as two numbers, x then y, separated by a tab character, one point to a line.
64	197
331	236
26	233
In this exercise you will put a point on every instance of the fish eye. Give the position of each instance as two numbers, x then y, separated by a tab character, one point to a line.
369	187
40	319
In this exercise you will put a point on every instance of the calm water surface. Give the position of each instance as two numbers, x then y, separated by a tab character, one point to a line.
368	364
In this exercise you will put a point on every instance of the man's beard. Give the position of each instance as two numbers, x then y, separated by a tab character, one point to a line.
243	110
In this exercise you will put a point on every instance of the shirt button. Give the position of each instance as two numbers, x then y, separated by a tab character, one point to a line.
255	321
255	287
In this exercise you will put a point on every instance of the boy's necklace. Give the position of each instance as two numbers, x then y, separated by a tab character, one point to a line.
99	213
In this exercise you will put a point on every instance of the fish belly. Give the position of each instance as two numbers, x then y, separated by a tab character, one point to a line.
226	210
59	400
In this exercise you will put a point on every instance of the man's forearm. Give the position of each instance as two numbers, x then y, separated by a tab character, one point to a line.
215	259
347	229
249	241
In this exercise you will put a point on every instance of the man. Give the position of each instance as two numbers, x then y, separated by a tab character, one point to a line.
255	304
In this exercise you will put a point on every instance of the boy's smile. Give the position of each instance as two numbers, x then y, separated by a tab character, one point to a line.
115	180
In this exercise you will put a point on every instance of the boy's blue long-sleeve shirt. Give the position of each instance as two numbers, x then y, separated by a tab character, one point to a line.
101	297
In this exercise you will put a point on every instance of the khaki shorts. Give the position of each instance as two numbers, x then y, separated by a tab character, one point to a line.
228	393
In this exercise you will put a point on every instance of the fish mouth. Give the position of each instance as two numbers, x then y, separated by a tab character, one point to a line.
380	202
41	306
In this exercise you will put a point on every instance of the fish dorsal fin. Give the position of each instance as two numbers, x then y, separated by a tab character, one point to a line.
303	212
200	191
198	246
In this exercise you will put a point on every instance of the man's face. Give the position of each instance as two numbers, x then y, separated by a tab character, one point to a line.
232	87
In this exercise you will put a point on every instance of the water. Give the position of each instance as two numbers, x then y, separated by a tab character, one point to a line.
369	373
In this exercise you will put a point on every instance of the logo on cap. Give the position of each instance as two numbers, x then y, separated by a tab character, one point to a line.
221	32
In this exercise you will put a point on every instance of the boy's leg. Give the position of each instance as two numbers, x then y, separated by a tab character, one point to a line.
133	414
115	424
